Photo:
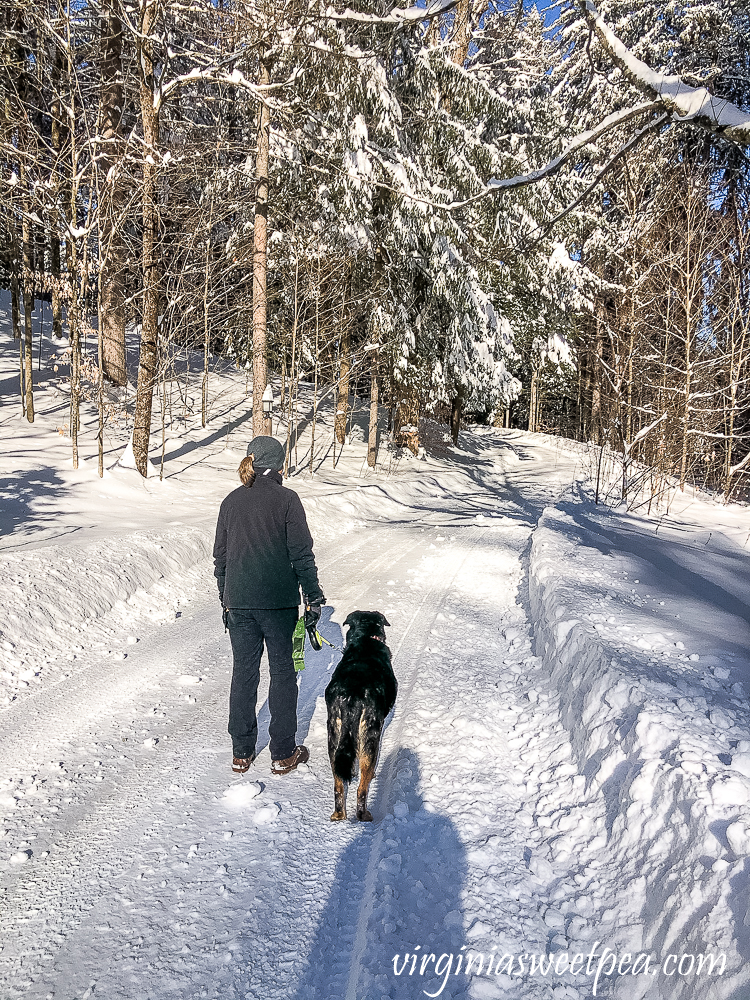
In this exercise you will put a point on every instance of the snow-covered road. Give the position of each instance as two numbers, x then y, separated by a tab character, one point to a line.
135	865
149	860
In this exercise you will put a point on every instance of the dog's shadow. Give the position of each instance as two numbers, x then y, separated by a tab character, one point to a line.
397	890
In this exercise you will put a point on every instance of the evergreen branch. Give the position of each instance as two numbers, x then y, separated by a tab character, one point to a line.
578	143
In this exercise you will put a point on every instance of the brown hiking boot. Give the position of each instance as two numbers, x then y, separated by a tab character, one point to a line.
301	755
242	764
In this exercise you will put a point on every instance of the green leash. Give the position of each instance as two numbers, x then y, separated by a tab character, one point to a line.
298	644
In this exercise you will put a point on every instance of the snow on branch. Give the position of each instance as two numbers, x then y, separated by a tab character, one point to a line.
687	104
642	434
214	75
495	185
740	465
576	144
399	15
624	148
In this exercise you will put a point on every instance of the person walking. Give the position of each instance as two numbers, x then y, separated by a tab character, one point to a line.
263	555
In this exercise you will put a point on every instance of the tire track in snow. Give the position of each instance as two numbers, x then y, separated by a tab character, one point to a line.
385	782
391	742
369	958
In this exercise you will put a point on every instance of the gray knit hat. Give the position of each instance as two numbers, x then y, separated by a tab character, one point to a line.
269	453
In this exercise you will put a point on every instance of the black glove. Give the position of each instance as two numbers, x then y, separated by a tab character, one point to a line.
312	617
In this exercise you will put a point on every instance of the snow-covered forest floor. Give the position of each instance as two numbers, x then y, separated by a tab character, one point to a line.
567	771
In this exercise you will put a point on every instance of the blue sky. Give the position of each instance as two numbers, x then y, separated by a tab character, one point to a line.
550	13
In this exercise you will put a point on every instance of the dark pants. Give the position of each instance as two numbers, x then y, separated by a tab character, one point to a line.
248	630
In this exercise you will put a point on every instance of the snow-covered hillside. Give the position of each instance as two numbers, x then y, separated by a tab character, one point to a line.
563	789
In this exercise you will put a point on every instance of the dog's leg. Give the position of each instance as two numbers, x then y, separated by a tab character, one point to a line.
339	787
366	774
339	799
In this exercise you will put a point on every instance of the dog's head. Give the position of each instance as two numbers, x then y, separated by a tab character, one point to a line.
366	623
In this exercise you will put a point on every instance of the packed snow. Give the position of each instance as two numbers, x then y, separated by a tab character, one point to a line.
562	801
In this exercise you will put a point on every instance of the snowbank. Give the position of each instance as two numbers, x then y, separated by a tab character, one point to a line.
663	744
52	594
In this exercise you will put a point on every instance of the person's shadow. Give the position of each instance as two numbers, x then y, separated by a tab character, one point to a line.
319	665
396	891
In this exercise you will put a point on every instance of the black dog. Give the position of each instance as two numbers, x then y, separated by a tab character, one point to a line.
359	696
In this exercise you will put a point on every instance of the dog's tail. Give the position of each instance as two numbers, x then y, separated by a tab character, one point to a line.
346	751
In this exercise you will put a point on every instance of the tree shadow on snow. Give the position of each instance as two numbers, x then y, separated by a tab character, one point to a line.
477	459
683	563
29	500
188	446
396	892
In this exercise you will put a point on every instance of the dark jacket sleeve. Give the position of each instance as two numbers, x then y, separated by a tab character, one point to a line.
300	548
220	552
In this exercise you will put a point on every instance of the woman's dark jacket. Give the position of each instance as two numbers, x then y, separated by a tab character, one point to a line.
263	549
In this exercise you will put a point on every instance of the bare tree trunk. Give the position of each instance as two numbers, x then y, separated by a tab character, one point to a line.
461	34
345	364
163	402
372	437
260	255
24	259
694	300
457	404
204	386
206	275
54	236
14	298
74	324
736	316
631	348
28	305
688	388
292	372
112	285
100	380
77	295
596	378
147	362
317	360
16	321
15	311
391	398
533	389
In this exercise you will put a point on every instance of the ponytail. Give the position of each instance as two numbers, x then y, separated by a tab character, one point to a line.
246	471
